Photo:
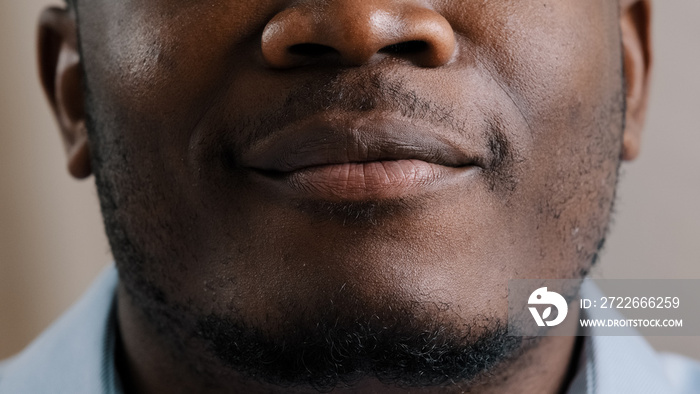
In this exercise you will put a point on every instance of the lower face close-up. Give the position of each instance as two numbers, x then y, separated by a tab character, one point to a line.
319	195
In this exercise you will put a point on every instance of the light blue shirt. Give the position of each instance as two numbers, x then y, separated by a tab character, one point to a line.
76	355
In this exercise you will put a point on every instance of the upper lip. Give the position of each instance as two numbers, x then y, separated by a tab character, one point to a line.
319	142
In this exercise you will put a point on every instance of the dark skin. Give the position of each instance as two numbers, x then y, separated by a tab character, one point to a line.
277	177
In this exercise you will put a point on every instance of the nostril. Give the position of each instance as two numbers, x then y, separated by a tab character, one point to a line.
406	48
311	50
340	35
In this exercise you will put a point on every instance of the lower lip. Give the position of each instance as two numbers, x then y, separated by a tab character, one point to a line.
378	180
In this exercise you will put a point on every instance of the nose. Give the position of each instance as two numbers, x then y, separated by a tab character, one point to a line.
356	32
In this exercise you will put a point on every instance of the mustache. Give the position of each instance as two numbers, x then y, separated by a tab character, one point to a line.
355	94
364	93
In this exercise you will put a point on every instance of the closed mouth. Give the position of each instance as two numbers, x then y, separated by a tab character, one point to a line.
332	161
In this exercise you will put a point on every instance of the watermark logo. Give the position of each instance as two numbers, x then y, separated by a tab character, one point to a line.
604	307
543	297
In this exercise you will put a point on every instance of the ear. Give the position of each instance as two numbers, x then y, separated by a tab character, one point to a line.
62	79
635	25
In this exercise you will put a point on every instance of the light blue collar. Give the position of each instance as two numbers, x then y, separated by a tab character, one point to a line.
76	354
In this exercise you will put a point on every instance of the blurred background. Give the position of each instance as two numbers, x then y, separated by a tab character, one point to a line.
52	244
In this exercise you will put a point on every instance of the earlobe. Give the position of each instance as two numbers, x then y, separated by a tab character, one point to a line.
79	156
635	25
62	80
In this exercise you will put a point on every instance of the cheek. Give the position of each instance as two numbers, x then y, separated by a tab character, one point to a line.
158	65
154	69
549	56
576	112
560	73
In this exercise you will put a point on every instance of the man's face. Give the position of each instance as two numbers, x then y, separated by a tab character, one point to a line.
280	177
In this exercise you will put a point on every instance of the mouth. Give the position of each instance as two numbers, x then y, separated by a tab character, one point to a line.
358	160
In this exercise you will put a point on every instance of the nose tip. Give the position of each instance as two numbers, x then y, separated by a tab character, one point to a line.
356	33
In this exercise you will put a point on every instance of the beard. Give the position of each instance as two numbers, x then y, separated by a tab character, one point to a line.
338	349
413	346
408	344
420	346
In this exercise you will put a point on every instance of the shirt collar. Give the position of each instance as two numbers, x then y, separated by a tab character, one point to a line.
76	354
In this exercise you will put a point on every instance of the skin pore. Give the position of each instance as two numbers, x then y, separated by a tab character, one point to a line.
320	195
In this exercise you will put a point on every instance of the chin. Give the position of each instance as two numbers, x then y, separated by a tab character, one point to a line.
415	345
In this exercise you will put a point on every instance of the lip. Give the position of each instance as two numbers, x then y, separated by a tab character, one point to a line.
358	158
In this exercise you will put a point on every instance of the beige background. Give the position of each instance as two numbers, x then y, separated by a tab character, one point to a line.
51	238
